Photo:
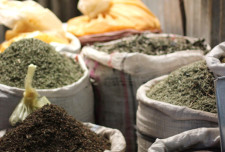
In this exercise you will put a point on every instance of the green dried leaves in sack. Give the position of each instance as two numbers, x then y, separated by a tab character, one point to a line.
20	54
160	45
30	101
191	86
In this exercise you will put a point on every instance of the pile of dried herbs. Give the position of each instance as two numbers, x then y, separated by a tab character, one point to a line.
151	46
191	86
53	69
51	129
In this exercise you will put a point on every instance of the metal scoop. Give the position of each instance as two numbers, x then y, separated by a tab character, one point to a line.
220	97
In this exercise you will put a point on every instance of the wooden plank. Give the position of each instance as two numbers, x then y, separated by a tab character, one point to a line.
70	11
57	8
2	33
44	3
172	17
200	21
156	7
197	18
64	10
168	13
183	16
206	20
222	20
215	22
193	17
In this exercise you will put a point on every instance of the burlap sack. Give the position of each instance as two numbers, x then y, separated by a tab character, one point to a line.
213	60
117	76
77	98
191	140
118	143
73	47
157	119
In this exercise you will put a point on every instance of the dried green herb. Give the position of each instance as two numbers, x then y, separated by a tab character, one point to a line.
152	46
191	86
53	69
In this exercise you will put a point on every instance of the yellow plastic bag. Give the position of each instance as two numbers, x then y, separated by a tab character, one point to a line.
26	19
30	101
46	37
120	15
28	16
92	8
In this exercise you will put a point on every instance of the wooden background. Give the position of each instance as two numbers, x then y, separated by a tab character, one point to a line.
196	18
202	18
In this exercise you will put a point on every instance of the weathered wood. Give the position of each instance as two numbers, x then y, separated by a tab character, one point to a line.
2	33
44	3
69	10
193	17
222	20
172	16
206	20
57	8
203	19
168	13
64	10
215	22
183	16
156	8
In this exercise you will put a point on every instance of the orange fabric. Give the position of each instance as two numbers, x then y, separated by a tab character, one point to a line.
122	14
28	19
26	26
46	37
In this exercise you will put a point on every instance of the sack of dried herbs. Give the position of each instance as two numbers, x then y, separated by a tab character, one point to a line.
192	140
174	103
119	67
52	129
215	60
63	80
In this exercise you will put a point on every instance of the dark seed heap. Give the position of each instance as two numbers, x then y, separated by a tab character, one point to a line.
151	46
191	86
53	69
51	129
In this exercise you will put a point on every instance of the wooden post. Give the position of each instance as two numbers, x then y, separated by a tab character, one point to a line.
2	33
57	8
203	20
168	13
44	3
215	22
64	10
70	10
222	20
193	17
206	20
172	16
